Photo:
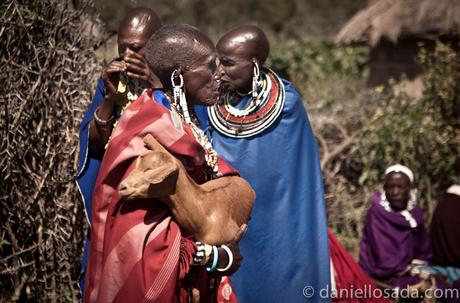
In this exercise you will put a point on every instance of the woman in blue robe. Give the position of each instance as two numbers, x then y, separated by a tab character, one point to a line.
260	126
97	124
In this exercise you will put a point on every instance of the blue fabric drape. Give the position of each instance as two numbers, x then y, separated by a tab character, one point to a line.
88	167
286	246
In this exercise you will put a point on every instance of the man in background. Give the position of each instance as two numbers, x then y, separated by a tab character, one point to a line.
120	82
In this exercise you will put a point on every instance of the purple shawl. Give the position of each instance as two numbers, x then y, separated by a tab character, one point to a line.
389	243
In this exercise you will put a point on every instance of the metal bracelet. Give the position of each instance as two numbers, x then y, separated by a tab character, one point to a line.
101	122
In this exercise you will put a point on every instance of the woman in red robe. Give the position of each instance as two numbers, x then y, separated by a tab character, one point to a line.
138	253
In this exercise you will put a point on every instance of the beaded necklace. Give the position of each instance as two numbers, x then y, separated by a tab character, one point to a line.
259	115
201	138
406	213
263	90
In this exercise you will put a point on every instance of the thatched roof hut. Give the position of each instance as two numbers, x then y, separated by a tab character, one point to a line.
394	19
394	28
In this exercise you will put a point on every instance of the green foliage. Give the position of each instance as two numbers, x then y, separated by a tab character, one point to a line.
288	19
420	134
442	93
318	63
386	126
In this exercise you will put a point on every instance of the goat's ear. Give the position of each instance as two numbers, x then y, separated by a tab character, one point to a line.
165	182
153	144
159	174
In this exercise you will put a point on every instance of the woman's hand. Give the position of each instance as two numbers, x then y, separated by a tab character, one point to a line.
233	245
137	68
111	76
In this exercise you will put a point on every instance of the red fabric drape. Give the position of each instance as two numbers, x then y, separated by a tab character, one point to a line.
137	252
349	277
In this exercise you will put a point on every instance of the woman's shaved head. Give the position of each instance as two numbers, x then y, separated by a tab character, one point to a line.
249	38
176	47
140	19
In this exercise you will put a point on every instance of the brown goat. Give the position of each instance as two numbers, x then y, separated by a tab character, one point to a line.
212	212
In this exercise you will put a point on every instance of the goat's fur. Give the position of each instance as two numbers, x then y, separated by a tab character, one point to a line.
212	212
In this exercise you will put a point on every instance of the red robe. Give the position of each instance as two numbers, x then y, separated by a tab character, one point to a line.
349	276
137	251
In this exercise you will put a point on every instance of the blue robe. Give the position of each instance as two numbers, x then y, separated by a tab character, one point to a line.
88	166
286	246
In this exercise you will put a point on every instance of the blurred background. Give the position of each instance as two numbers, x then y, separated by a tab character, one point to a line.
379	80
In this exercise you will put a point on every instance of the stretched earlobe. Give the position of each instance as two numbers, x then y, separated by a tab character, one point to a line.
255	79
177	82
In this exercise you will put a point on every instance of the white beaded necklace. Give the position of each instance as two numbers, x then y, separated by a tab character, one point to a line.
262	97
405	212
201	138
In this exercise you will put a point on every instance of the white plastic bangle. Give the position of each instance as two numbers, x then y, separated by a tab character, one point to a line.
215	259
230	259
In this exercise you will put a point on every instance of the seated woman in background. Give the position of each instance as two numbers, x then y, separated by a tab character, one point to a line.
395	249
394	237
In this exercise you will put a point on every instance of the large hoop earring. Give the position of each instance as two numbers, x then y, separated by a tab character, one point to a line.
255	79
179	96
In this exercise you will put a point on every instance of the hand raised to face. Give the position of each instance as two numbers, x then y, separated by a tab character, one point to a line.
137	68
111	77
133	34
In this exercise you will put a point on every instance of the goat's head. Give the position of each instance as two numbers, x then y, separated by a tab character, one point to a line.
154	176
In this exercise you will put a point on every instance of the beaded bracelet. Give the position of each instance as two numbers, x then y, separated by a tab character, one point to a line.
215	258
230	258
200	254
101	122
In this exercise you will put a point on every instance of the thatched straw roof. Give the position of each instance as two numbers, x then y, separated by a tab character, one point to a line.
393	19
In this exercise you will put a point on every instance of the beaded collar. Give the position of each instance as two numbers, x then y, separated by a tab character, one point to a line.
257	116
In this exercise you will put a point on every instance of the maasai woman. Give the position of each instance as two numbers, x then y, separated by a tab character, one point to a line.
137	252
260	126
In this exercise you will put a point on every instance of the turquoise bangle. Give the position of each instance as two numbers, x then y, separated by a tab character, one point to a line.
215	257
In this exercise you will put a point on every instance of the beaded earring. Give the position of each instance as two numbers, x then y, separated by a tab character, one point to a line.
255	79
179	96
